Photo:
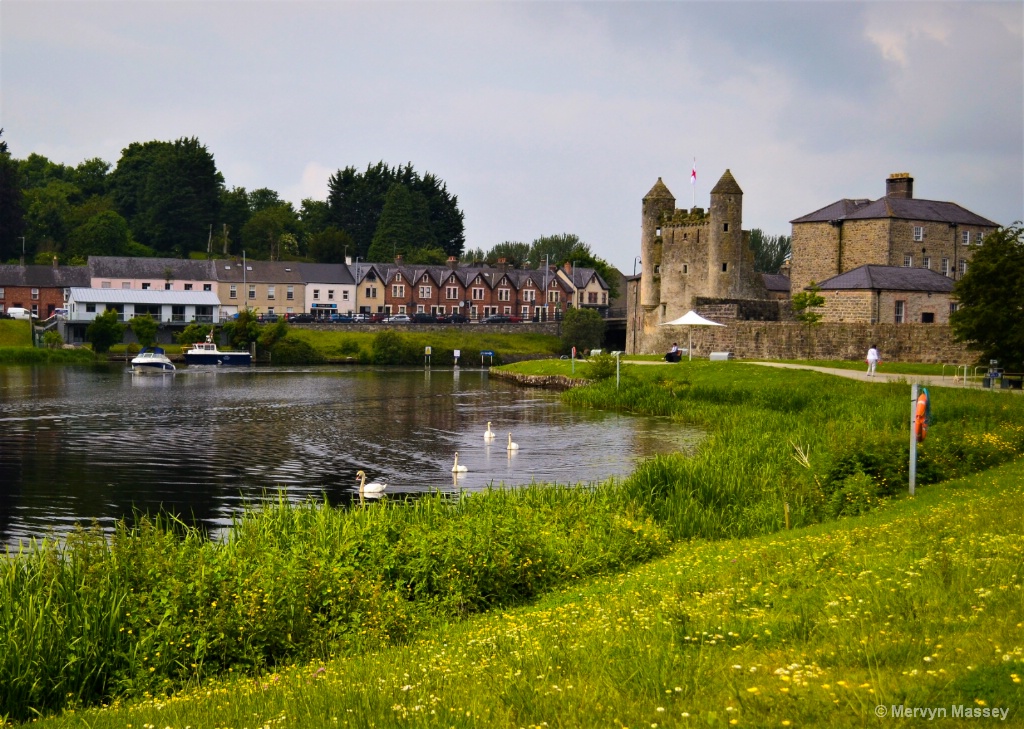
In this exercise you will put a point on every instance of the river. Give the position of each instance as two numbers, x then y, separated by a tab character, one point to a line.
94	445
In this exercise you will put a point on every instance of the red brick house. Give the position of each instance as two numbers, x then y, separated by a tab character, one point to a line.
40	289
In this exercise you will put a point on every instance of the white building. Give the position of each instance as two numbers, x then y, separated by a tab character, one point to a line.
167	307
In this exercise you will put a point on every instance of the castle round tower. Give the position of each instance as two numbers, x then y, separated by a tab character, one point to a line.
657	204
730	262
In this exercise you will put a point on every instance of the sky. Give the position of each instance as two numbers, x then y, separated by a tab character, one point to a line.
541	117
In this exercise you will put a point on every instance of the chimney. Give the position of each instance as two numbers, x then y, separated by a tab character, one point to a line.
900	184
55	261
453	262
399	260
503	264
568	267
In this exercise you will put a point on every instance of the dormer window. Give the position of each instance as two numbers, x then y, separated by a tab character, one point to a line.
398	277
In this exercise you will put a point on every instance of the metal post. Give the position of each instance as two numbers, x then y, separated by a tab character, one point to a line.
618	359
913	438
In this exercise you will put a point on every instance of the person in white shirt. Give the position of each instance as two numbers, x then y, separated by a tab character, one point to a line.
872	360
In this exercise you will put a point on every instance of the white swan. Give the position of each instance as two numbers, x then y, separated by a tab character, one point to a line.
456	468
374	487
512	446
488	434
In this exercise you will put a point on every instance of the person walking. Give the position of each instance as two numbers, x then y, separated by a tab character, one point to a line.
872	360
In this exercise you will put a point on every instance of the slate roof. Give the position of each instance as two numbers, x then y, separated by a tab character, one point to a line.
889	278
659	191
44	277
154	268
897	208
335	273
230	270
144	296
776	282
727	184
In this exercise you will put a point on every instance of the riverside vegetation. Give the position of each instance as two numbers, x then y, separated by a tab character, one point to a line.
347	614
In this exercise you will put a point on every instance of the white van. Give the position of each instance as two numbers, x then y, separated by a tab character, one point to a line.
17	313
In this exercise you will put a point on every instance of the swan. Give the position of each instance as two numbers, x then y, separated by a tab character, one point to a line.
488	434
374	487
456	468
512	446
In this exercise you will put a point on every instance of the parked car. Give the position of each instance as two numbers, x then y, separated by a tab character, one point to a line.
269	318
424	318
341	319
451	319
398	319
302	318
18	313
497	319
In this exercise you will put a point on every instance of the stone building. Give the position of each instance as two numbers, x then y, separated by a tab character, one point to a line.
888	295
895	230
694	259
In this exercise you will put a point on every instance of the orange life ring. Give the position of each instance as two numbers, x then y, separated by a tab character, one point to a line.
921	418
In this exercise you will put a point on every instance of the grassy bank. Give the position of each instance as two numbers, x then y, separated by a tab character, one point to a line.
15	333
160	608
33	356
917	606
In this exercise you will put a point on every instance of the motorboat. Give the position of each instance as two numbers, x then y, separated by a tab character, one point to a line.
152	359
207	353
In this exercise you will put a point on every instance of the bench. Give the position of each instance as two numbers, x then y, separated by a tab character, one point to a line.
720	356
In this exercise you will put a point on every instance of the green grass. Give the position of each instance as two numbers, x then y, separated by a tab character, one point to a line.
34	356
899	368
920	605
15	333
160	608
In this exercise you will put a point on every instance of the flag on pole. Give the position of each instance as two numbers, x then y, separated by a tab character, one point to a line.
693	172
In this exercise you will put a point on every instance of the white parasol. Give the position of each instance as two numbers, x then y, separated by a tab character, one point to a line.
691	319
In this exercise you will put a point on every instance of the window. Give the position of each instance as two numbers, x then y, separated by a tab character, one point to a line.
425	278
104	284
965	237
945	267
953	306
398	291
316	294
425	292
207	287
271	292
908	260
604	298
553	297
167	286
478	294
686	268
289	293
963	267
504	295
398	277
1	292
926	262
126	284
330	294
451	292
188	287
900	308
725	267
252	291
979	237
725	227
35	310
918	233
591	297
90	308
145	286
344	295
35	293
529	295
233	292
371	292
927	317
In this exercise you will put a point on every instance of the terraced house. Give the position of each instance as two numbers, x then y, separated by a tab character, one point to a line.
269	287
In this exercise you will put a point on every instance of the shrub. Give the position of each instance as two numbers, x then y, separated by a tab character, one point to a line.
600	367
290	351
53	340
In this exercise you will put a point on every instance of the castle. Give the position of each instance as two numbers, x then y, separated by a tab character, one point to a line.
694	258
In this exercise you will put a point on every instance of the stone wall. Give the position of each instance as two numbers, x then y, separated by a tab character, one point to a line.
743	309
790	340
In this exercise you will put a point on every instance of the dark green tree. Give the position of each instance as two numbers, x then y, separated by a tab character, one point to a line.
316	217
427	257
144	328
515	254
558	248
105	331
990	315
244	330
91	176
583	329
234	214
104	234
169	192
264	235
770	251
330	245
12	205
47	216
404	225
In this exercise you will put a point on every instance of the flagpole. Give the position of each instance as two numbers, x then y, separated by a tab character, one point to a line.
693	185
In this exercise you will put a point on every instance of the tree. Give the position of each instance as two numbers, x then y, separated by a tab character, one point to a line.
265	234
234	214
144	327
557	248
330	245
990	315
105	331
12	209
104	234
169	192
581	328
47	214
806	305
515	254
770	251
404	225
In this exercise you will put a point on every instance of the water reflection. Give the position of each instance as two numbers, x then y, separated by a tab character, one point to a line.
84	445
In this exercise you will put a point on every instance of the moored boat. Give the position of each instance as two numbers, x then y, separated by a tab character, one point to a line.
207	353
152	359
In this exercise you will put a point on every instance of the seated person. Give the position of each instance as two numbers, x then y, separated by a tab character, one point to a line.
673	354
